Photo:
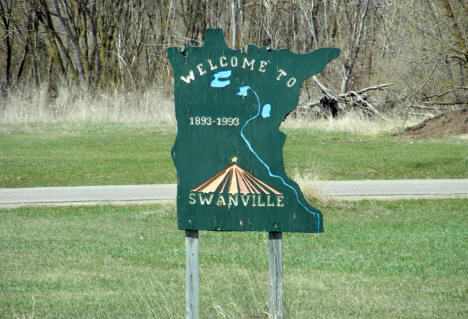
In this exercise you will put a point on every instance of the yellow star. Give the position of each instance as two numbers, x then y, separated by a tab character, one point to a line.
234	159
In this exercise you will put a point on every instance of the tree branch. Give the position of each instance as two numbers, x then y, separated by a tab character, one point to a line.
375	87
445	92
366	104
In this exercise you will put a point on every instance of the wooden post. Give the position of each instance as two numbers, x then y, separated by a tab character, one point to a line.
191	260
276	274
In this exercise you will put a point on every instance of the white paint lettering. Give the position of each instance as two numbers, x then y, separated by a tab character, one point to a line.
281	73
205	200
262	66
234	61
279	201
245	199
248	63
222	62
221	201
188	78
259	202
192	199
233	200
200	69
212	67
291	82
269	203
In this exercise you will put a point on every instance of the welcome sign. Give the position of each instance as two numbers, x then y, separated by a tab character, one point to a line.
229	150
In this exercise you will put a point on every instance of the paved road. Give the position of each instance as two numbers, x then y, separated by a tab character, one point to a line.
121	194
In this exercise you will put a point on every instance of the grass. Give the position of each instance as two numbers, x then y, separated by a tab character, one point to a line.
352	122
399	259
93	155
104	154
346	156
26	106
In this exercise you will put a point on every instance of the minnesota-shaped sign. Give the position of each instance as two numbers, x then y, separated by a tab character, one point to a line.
228	151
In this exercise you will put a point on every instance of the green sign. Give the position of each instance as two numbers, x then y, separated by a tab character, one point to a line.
229	150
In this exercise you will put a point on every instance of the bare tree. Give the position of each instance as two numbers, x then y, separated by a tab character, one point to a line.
419	46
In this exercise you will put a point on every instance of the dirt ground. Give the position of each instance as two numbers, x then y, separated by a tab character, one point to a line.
446	124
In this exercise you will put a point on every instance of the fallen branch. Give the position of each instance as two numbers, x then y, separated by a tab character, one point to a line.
324	89
328	93
366	104
332	104
425	107
446	92
356	96
420	114
375	87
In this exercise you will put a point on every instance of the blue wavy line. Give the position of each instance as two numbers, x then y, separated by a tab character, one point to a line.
266	165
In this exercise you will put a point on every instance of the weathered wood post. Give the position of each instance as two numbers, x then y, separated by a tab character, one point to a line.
229	105
276	274
191	264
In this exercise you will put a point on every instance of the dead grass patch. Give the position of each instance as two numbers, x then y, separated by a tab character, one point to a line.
73	105
353	122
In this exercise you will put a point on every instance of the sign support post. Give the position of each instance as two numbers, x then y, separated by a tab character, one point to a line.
229	105
276	274
191	261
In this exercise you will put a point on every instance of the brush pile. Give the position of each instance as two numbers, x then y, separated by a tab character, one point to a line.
333	105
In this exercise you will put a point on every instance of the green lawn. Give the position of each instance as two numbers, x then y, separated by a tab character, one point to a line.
346	156
91	156
399	259
118	154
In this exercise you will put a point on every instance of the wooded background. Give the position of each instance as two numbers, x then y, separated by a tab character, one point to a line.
409	55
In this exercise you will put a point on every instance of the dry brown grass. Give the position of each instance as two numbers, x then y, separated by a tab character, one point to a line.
72	105
155	107
353	122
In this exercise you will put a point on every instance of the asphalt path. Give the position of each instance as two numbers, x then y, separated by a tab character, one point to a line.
126	194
